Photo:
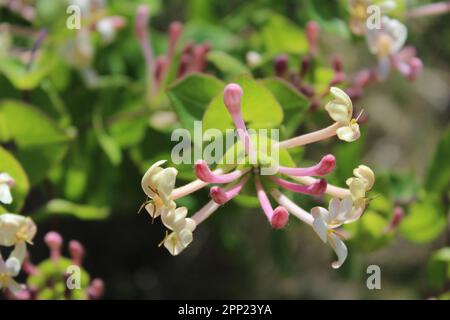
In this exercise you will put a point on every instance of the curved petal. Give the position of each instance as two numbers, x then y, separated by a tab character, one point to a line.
340	248
5	194
319	224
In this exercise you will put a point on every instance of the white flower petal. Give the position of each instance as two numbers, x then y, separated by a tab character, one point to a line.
340	248
338	112
12	266
5	194
173	244
165	183
349	133
366	174
341	96
185	237
334	208
147	179
319	224
357	188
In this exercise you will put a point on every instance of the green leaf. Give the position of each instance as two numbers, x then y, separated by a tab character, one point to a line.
40	142
294	104
67	208
438	177
227	64
260	109
108	144
281	35
191	95
368	232
19	191
439	267
23	79
425	221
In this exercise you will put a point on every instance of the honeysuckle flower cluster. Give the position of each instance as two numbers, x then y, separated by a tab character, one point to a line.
385	40
79	51
346	205
48	280
192	58
15	231
6	183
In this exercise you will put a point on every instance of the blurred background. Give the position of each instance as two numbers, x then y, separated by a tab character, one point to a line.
97	103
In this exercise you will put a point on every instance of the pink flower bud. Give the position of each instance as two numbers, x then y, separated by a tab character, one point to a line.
218	195
54	242
76	250
279	218
304	66
141	22
232	98
312	35
416	66
175	30
281	65
337	64
96	289
397	217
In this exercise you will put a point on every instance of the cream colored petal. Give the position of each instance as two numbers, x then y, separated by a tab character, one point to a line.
334	208
319	224
190	224
12	266
366	174
147	180
165	183
174	219
341	96
349	133
185	236
338	112
357	188
397	31
151	210
5	194
173	244
30	229
339	248
9	226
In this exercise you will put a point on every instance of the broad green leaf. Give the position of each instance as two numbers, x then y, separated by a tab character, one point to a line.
281	35
226	63
24	79
191	95
40	142
425	221
19	191
66	208
438	177
260	109
439	267
294	104
108	144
